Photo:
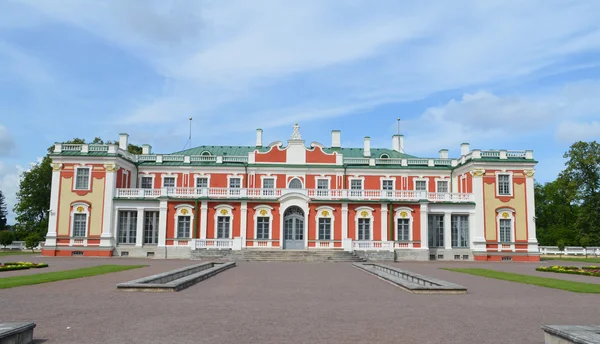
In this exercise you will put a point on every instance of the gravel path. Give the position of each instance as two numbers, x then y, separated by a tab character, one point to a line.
291	303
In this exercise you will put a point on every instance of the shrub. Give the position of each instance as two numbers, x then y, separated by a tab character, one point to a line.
6	238
586	270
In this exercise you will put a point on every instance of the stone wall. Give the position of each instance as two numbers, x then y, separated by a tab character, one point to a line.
376	255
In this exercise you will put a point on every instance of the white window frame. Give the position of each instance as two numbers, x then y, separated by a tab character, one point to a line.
398	212
147	175
369	215
322	192
257	214
510	183
442	180
179	211
291	179
325	211
85	211
223	210
356	192
118	236
163	176
468	230
510	216
207	176
426	180
235	191
393	180
89	183
269	191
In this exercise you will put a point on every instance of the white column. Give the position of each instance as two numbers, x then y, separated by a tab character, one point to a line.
384	222
447	231
344	221
162	223
110	184
139	236
531	230
203	219
53	214
479	223
424	236
243	220
471	229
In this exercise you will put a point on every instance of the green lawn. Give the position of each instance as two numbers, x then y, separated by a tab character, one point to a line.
577	287
17	281
16	253
574	259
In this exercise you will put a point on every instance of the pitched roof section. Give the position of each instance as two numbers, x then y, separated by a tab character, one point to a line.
221	150
375	152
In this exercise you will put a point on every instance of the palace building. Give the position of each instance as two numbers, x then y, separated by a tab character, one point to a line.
376	202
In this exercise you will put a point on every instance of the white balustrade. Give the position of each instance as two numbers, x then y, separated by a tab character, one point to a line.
212	243
260	243
71	147
78	242
371	245
403	244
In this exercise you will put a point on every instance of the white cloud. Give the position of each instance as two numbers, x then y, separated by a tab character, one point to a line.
571	131
7	144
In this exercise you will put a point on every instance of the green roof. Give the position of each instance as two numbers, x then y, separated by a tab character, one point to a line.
375	152
221	150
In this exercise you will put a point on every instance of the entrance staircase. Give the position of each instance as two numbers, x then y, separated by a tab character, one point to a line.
250	255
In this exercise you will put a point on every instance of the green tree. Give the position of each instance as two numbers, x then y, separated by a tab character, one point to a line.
33	197
555	213
3	212
32	241
6	238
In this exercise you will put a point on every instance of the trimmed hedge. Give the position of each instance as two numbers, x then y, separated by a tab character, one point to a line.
573	270
11	266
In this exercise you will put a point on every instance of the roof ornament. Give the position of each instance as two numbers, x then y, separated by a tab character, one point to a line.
296	133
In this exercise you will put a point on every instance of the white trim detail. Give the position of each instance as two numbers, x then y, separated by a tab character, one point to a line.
505	214
325	212
80	208
368	214
510	184
263	211
421	179
223	210
403	213
201	175
82	167
183	210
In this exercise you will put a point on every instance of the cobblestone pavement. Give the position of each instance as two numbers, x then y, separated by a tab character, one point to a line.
292	303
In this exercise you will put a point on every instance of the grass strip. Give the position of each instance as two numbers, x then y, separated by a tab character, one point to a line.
16	253
18	281
576	287
573	259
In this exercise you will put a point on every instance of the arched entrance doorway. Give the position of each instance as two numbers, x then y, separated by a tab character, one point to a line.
293	228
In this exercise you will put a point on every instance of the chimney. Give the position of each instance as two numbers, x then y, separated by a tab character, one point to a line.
335	139
398	143
259	137
367	147
443	154
146	149
465	148
123	141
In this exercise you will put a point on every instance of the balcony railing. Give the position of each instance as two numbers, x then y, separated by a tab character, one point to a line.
318	194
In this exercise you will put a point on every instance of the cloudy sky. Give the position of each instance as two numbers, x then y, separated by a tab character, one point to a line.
498	74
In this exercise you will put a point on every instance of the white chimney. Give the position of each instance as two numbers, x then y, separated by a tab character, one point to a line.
465	148
123	141
146	149
398	143
367	147
335	139
258	137
443	154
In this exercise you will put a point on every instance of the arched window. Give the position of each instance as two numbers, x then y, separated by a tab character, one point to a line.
384	156
295	184
205	153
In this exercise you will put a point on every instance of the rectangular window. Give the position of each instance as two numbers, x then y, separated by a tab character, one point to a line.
504	184
127	227
79	225
169	182
324	229
387	184
436	230
201	182
505	230
421	185
364	229
322	187
146	183
223	227
442	186
151	227
460	230
183	226
235	185
82	180
268	185
262	227
403	227
356	186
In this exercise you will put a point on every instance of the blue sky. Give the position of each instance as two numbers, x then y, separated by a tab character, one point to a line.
497	74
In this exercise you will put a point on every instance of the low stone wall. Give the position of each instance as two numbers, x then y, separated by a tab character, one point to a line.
376	255
405	255
564	334
153	252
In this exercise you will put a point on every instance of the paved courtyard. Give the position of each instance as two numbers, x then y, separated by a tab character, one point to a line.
293	303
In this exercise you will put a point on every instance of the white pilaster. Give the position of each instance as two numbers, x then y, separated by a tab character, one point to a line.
243	222
479	223
472	224
531	230
139	235
447	231
424	236
53	213
110	180
203	219
162	223
384	222
344	221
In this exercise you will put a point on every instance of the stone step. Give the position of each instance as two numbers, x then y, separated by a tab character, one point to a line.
281	255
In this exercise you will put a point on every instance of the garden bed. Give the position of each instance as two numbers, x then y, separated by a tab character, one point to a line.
574	270
11	266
